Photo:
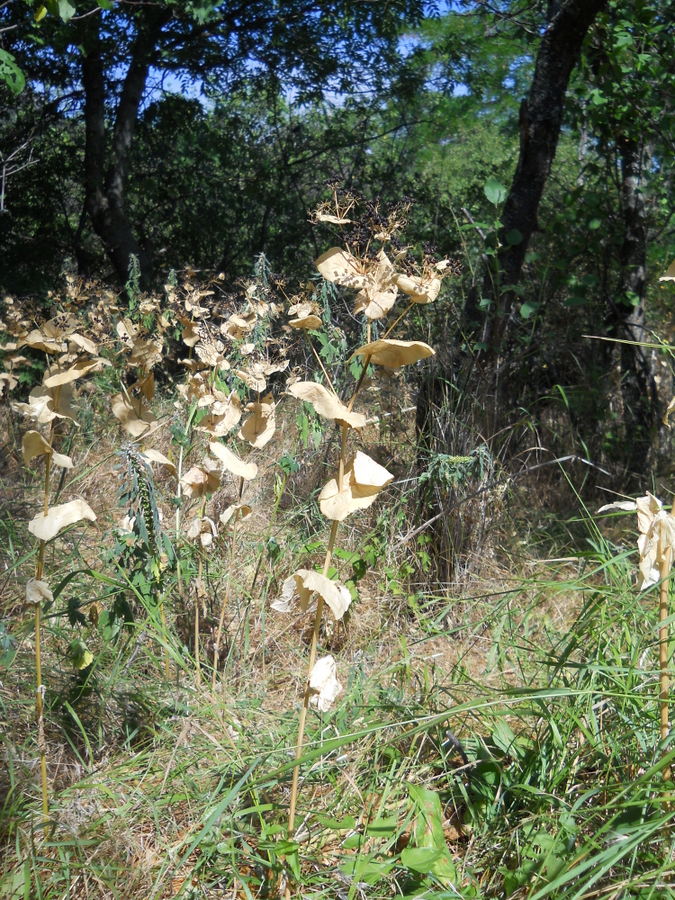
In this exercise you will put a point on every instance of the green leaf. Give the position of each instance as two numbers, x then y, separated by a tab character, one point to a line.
421	859
528	309
80	655
513	237
66	10
10	73
494	191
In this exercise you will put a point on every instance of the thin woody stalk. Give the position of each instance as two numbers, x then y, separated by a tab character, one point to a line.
664	640
318	615
198	600
39	687
226	598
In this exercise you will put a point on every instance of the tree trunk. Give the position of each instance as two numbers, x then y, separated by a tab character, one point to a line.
638	386
540	121
106	172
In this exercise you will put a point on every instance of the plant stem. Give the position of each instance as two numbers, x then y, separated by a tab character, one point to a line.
39	687
226	598
314	644
664	635
305	700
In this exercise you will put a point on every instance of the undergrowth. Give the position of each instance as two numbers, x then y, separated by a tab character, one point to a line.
494	737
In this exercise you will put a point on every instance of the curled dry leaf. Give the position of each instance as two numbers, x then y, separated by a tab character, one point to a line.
83	343
202	529
331	219
670	273
340	267
38	592
323	684
134	416
190	333
394	354
253	377
46	404
7	382
363	480
201	480
232	462
152	455
379	295
420	289
235	513
259	427
33	444
306	323
224	414
326	404
657	534
80	368
303	584
238	325
59	517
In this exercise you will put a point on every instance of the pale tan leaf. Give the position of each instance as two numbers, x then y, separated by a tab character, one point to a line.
235	513
81	367
190	334
202	529
224	414
258	429
126	332
59	517
232	462
628	505
394	354
340	267
335	595
83	343
46	404
38	340
253	377
134	416
146	353
420	289
153	455
60	459
7	382
323	684
200	480
307	323
332	220
326	404
375	302
38	592
303	584
363	480
669	275
33	444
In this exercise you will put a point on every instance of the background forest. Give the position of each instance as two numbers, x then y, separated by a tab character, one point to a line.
207	212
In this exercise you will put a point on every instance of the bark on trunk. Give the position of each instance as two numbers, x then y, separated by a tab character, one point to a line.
106	172
540	121
638	386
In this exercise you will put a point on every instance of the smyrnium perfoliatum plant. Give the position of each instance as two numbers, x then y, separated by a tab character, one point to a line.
379	276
